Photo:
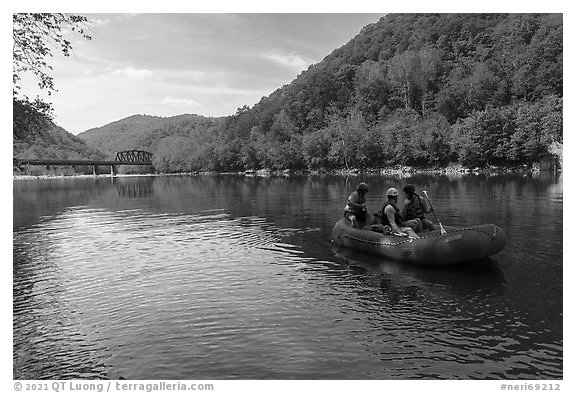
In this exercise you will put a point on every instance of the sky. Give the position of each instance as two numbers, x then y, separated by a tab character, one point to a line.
163	64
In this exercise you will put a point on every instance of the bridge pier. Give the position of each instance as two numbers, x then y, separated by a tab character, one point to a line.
95	170
113	170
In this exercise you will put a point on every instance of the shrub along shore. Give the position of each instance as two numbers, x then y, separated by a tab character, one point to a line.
390	171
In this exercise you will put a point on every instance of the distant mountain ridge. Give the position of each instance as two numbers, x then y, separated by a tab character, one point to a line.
143	132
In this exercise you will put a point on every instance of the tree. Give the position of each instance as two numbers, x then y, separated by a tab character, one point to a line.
484	138
35	36
538	129
316	148
483	87
403	71
372	88
29	116
430	71
415	75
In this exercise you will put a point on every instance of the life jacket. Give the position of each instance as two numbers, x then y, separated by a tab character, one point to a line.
415	208
397	215
353	209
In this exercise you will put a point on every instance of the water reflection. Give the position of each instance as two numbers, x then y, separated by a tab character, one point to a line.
49	341
463	308
131	187
223	277
35	200
484	275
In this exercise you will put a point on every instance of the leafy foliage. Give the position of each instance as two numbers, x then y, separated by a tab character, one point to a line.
34	38
29	118
54	143
518	134
179	143
35	35
421	90
424	90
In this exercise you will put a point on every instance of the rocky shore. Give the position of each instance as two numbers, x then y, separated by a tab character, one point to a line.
389	171
401	170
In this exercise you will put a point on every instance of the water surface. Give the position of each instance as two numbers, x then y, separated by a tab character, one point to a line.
233	277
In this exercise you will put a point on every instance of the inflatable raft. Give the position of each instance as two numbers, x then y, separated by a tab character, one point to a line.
432	248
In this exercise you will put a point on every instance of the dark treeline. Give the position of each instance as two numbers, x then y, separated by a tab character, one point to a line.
421	90
424	90
53	142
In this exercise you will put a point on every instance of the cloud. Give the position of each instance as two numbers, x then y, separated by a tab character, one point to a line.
105	19
180	101
133	73
97	22
288	60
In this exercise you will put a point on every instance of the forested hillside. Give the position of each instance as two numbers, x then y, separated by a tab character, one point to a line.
421	90
54	143
416	90
178	143
147	132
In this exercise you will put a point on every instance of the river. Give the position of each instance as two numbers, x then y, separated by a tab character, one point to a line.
235	277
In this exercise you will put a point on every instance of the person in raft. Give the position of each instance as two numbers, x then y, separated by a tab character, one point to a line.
413	211
355	209
390	216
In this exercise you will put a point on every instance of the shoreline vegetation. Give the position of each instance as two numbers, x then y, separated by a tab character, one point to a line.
413	91
405	171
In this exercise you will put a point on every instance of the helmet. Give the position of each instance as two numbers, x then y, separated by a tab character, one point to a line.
392	192
409	189
363	187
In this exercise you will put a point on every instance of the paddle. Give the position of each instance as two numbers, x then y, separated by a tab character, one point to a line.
442	230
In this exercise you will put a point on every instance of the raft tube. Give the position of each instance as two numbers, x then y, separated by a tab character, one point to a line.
432	248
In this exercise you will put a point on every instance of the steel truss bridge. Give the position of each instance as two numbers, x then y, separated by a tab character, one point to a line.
127	157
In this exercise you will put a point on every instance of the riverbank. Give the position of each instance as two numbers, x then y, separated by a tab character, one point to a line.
390	171
402	170
82	176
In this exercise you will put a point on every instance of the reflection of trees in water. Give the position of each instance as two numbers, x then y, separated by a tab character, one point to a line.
293	201
47	198
309	206
556	190
134	187
509	200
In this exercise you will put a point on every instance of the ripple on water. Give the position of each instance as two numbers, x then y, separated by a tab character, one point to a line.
207	295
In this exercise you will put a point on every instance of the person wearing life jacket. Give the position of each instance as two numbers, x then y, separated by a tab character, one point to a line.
355	209
414	209
390	216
